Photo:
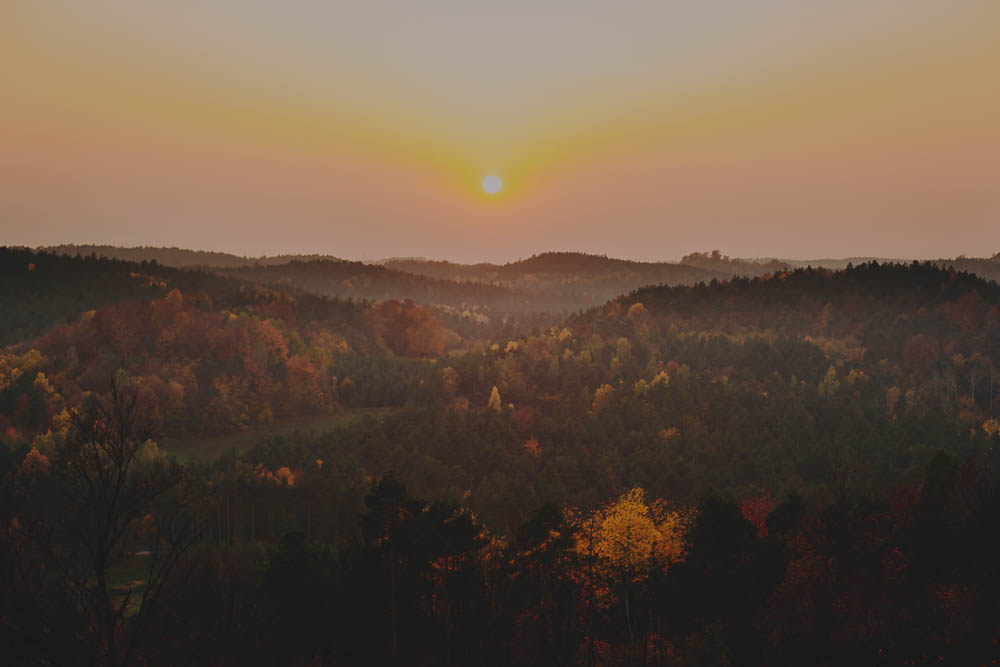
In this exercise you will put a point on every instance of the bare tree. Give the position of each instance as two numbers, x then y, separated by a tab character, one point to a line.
118	503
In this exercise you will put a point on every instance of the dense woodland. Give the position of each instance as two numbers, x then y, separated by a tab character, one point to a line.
798	466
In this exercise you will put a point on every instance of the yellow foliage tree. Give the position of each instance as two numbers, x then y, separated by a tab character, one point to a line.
34	463
637	311
601	396
627	533
627	539
661	379
494	403
830	384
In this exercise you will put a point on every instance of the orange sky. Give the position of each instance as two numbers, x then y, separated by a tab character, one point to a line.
643	130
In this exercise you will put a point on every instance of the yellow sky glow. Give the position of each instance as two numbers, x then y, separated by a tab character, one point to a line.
105	139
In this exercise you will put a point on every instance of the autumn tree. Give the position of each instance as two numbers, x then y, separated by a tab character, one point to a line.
830	384
495	403
408	329
629	537
756	509
601	396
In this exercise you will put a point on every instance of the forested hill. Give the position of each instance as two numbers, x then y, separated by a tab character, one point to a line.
748	268
584	280
551	282
555	268
982	267
567	267
209	353
919	312
178	257
563	280
344	279
42	289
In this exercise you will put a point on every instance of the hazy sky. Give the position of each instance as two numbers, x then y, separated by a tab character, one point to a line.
636	129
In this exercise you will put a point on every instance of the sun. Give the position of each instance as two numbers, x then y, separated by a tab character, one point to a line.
492	184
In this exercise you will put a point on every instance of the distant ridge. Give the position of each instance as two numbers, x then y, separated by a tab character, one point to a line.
182	258
548	281
176	257
346	279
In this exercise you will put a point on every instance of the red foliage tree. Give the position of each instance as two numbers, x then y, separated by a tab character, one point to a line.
756	510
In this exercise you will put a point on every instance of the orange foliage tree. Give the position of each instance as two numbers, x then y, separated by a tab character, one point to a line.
408	329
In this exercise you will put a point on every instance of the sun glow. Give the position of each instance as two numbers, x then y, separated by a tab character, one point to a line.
492	184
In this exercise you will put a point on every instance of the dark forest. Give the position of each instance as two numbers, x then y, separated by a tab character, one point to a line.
570	460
